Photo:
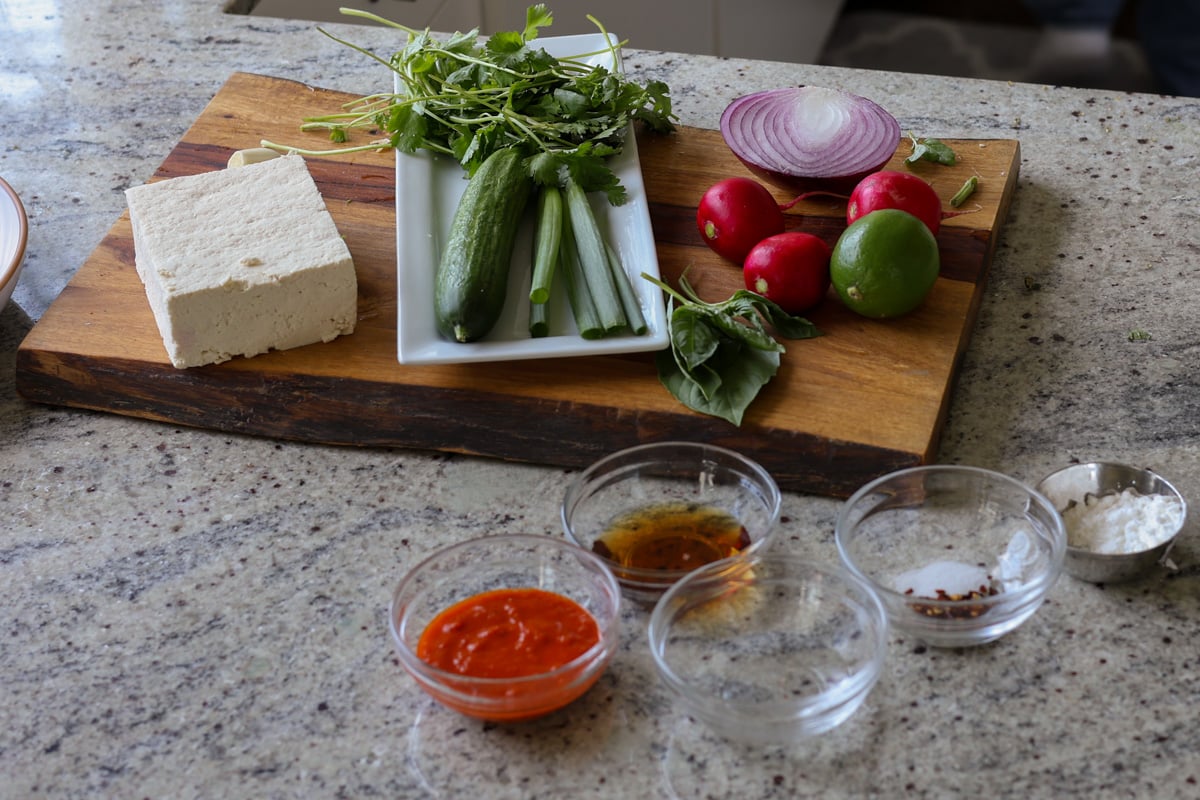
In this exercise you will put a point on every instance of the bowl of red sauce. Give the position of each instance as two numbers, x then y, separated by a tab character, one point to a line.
507	627
657	512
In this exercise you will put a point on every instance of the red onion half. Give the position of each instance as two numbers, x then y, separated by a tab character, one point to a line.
803	138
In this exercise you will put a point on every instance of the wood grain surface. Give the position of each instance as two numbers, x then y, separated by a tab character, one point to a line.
863	399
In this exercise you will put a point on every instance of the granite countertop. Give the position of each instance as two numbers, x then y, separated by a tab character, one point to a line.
196	614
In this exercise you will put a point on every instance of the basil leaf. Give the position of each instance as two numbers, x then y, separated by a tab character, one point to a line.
743	371
721	354
749	330
703	379
691	335
933	150
786	325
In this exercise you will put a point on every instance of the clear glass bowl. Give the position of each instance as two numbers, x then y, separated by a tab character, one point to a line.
669	475
769	649
513	561
959	555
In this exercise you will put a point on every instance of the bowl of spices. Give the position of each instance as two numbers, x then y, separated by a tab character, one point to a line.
769	649
959	555
1121	520
656	512
507	627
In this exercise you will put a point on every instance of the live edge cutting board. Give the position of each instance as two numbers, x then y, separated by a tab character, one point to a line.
865	398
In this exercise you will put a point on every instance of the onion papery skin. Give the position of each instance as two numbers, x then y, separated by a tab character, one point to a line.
807	138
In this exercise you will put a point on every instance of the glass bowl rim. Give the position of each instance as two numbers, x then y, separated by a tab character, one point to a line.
1035	586
657	580
709	576
595	656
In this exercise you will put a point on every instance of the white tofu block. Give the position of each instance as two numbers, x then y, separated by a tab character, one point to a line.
241	261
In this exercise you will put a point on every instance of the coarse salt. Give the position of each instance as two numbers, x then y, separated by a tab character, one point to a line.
952	578
943	577
1125	522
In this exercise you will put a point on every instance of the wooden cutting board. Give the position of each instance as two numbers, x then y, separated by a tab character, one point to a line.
866	398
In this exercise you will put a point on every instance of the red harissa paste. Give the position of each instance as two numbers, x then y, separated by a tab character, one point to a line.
508	633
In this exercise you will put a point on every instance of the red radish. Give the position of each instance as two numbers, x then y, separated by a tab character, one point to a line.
808	137
892	189
735	214
791	269
902	190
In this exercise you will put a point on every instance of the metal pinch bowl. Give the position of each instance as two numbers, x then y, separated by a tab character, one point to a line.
1101	478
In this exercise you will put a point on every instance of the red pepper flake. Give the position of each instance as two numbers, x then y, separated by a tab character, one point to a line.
962	612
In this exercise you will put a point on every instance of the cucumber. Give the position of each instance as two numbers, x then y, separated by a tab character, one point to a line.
472	276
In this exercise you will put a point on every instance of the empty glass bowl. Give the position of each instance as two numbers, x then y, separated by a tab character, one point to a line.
499	562
959	555
657	511
769	649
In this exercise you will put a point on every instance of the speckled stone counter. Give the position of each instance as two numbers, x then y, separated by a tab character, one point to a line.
192	614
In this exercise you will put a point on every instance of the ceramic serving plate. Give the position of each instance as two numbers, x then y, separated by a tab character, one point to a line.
13	236
428	188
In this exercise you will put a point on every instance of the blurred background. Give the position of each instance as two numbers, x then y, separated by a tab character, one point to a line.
1001	40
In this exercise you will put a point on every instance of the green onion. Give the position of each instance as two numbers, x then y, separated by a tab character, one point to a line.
539	320
629	299
966	191
586	319
546	240
593	260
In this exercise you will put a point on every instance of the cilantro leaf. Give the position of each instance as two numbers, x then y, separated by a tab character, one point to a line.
505	43
465	98
536	16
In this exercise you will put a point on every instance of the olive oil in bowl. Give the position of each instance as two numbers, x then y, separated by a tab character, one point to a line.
672	537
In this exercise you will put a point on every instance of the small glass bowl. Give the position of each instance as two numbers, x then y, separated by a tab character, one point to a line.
14	235
1072	484
769	649
669	474
959	555
464	570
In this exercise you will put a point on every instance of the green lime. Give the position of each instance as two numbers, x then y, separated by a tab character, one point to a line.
884	263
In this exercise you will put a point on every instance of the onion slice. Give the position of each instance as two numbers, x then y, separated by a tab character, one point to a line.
808	137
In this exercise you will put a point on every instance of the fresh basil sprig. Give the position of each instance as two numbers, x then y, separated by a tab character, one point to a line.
722	354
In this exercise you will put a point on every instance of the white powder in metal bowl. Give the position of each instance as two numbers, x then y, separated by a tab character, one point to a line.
1127	522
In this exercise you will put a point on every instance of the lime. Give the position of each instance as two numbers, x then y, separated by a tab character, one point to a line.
884	263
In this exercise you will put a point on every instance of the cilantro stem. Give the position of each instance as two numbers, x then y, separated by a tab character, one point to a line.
379	144
355	12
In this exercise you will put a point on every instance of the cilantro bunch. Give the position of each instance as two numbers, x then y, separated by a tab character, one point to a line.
467	98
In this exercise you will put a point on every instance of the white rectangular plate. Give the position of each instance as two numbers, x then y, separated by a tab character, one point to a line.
427	191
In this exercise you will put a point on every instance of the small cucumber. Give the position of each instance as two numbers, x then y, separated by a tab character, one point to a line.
472	277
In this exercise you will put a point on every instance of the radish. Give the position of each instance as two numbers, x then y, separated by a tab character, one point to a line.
735	214
892	189
790	269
